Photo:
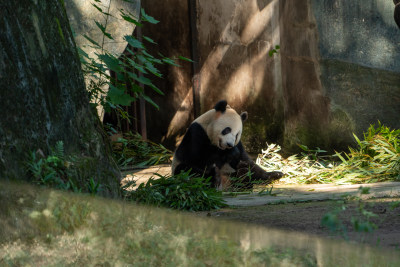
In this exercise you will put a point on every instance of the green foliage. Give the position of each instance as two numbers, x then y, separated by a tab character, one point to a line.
133	151
360	220
50	170
130	68
281	257
266	191
376	158
332	221
274	51
313	154
183	191
242	184
59	171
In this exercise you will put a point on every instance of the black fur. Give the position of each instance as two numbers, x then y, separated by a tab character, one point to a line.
221	106
198	154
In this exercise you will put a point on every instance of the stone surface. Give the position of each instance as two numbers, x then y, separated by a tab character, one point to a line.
141	176
173	38
82	16
281	193
358	32
43	98
234	41
336	72
314	192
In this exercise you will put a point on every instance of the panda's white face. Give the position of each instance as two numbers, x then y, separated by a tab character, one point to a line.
227	129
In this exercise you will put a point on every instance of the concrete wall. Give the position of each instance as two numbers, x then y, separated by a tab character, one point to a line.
337	70
234	40
336	73
360	60
172	35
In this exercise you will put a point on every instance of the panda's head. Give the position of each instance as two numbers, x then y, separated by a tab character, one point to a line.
223	125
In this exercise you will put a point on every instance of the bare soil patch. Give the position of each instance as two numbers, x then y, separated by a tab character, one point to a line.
306	217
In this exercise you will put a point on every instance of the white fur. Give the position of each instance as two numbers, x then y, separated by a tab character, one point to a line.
214	123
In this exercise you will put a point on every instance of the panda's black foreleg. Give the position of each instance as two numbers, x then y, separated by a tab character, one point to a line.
248	171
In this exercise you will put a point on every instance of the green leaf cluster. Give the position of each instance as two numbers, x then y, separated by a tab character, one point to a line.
375	158
133	151
183	191
274	51
130	68
360	220
60	171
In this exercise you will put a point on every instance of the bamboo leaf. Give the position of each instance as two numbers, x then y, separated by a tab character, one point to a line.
148	39
103	30
148	18
92	41
185	59
133	42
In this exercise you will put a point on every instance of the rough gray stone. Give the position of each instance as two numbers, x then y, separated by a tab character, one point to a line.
43	98
82	16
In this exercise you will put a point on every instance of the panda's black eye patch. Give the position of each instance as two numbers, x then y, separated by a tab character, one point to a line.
226	131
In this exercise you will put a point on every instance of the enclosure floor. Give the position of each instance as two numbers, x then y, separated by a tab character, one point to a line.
281	193
314	192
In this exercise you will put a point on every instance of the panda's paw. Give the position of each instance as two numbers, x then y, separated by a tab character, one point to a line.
272	176
260	174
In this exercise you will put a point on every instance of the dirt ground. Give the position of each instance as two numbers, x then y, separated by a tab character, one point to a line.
306	217
300	208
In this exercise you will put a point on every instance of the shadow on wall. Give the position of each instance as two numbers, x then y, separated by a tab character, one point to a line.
234	41
283	93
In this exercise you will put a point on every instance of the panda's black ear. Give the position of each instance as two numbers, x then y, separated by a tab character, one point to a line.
244	116
221	106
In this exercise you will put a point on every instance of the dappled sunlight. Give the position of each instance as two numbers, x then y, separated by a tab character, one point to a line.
381	51
181	117
246	83
257	23
209	69
290	193
247	80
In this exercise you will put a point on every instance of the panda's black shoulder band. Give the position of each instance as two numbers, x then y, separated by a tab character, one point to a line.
221	106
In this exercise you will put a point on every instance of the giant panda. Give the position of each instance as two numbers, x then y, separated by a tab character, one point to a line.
212	147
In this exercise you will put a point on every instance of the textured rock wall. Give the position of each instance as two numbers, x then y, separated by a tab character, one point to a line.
172	35
83	15
235	38
360	60
308	117
43	98
337	70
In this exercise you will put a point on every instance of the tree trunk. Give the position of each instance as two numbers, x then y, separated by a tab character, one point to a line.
43	98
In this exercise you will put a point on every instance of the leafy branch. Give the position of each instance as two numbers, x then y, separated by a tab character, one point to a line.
131	68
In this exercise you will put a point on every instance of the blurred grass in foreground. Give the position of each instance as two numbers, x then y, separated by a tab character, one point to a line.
43	227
